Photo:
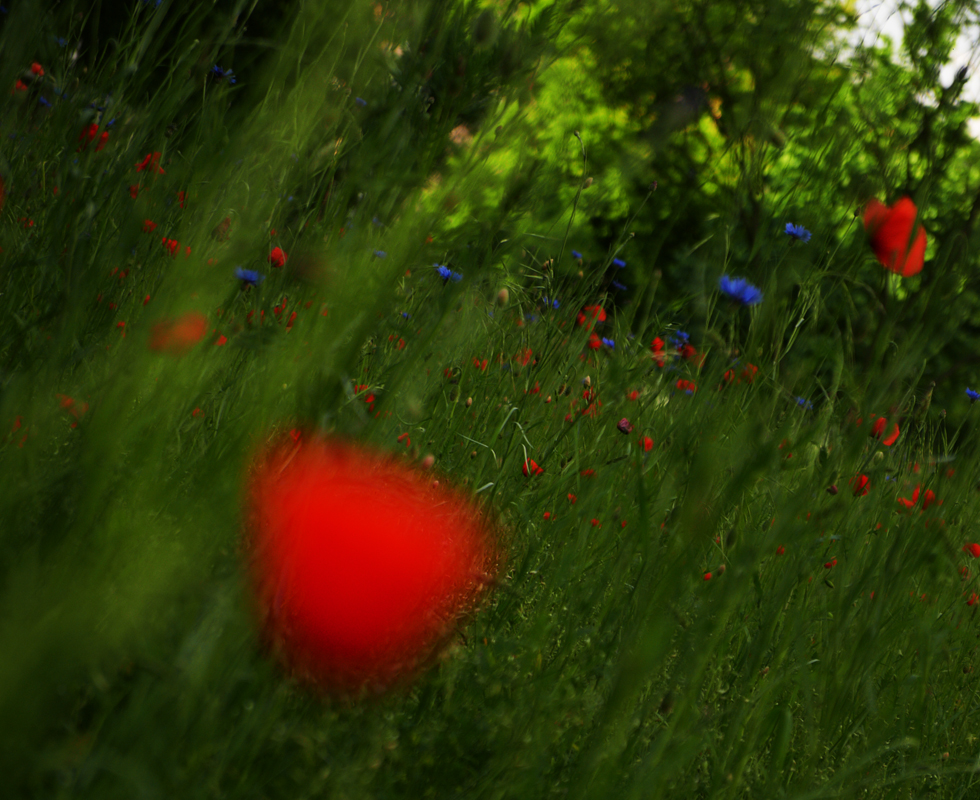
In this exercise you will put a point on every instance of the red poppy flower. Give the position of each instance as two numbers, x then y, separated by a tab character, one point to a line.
88	135
657	348
647	443
898	242
277	257
860	485
524	356
690	353
362	566
686	386
152	160
879	428
591	313
176	337
972	549
531	468
594	341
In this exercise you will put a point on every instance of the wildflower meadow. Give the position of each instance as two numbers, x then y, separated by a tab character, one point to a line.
473	399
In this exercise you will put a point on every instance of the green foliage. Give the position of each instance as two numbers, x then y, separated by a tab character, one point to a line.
706	606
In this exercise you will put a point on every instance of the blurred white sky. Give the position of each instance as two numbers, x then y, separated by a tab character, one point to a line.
878	17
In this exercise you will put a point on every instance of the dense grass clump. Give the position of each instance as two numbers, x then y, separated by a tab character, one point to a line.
703	402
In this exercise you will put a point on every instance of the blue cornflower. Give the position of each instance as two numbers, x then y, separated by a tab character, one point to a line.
447	274
360	101
974	396
680	339
220	73
609	343
804	403
530	317
249	276
619	262
740	290
797	232
61	42
380	253
618	285
406	314
576	254
44	102
552	303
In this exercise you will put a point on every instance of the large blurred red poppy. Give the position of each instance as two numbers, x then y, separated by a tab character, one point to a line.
899	243
363	566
